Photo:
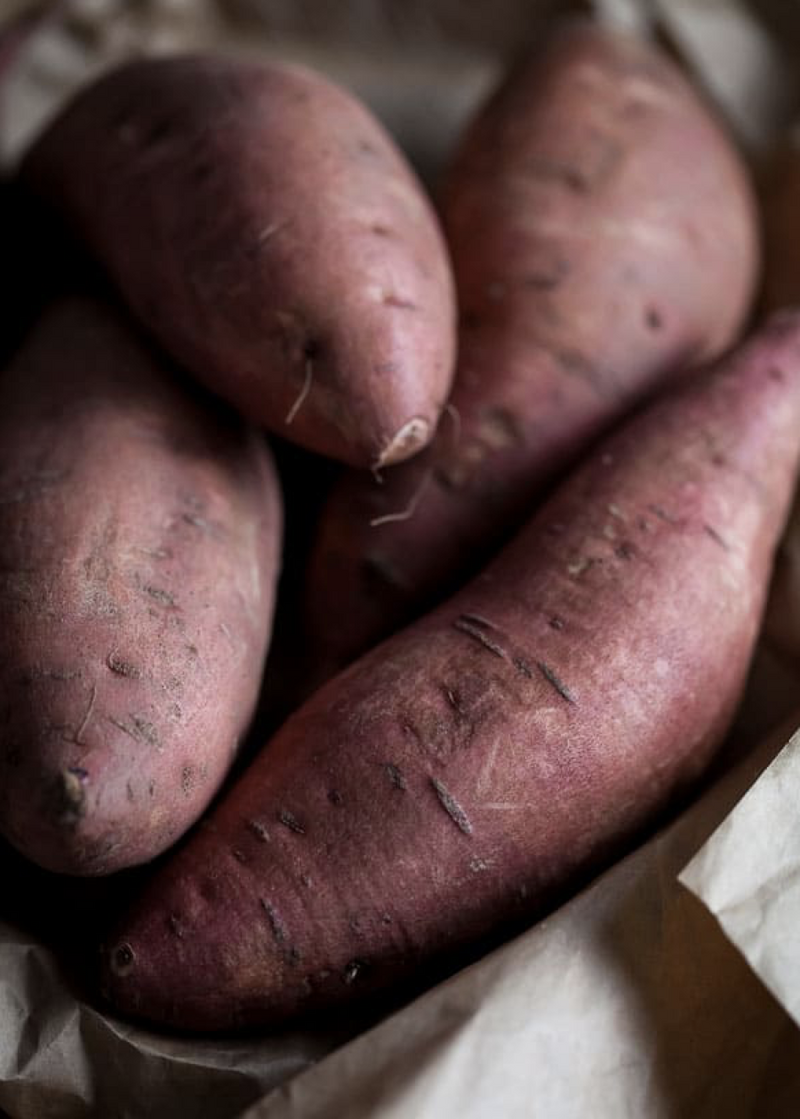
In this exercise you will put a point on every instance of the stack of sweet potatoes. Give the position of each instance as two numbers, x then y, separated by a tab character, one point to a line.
557	477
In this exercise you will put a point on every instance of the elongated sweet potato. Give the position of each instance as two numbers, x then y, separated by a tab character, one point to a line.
450	779
262	224
603	236
139	548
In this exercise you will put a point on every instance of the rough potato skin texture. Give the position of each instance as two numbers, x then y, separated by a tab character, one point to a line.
263	225
452	777
603	236
140	535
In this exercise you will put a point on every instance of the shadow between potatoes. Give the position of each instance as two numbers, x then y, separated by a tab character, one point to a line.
306	480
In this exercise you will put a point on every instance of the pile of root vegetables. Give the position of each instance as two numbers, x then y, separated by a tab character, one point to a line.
531	595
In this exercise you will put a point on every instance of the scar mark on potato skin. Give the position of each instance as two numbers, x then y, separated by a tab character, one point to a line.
453	699
122	959
277	927
478	620
464	625
258	830
452	807
139	729
625	551
554	681
663	515
582	565
200	523
122	667
159	595
576	364
290	821
523	667
391	299
712	532
352	971
395	775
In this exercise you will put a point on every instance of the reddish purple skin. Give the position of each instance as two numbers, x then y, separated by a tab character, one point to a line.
591	266
457	774
260	222
140	530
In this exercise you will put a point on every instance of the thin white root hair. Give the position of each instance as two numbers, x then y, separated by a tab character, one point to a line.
455	417
304	391
407	513
86	717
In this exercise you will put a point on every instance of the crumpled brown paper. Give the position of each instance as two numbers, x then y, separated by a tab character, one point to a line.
62	1059
748	875
634	999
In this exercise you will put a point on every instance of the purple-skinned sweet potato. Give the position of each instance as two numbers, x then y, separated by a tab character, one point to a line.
466	768
603	236
140	528
263	225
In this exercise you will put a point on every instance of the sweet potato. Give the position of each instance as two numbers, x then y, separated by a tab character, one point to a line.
453	777
262	224
139	541
603	236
